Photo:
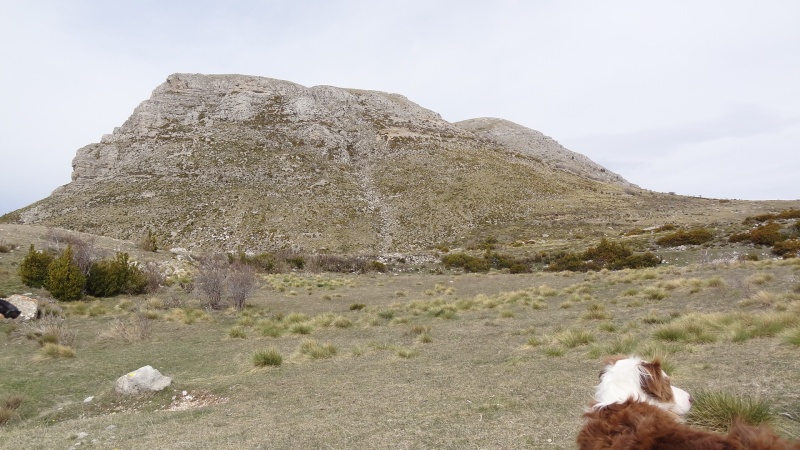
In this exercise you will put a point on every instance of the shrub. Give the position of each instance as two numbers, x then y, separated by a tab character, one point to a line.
467	262
138	328
342	264
694	236
49	329
267	357
768	234
788	248
211	280
263	262
33	268
489	260
646	259
241	284
108	278
785	214
148	242
65	281
606	255
155	278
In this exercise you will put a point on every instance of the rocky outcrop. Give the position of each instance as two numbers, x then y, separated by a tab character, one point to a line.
230	162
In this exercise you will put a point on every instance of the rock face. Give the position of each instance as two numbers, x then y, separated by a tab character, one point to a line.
232	162
144	379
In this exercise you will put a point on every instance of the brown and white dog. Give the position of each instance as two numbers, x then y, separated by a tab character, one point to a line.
636	408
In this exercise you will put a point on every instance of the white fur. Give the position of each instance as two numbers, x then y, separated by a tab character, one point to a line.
622	381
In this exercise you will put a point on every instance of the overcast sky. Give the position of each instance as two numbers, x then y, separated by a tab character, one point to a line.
688	96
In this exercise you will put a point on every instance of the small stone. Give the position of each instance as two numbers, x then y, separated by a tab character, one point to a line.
81	435
88	399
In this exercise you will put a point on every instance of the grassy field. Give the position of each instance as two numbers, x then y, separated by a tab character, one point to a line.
408	360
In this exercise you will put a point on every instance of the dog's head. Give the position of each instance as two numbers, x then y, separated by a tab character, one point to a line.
631	378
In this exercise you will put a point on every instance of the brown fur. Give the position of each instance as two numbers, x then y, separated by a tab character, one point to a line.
639	426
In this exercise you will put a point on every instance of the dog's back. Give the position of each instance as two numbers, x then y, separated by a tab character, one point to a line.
8	310
635	425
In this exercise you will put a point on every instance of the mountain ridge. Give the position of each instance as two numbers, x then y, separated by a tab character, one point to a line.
226	162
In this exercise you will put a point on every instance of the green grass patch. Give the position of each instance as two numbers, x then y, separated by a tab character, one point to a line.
716	410
267	357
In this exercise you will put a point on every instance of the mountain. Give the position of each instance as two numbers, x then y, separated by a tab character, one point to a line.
228	162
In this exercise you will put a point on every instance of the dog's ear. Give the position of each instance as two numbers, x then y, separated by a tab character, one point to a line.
653	381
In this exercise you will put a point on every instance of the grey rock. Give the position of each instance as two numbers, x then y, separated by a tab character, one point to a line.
144	379
28	306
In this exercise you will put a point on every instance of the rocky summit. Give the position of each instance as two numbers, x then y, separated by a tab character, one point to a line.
231	162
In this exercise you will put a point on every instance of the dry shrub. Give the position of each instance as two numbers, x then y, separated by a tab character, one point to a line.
211	280
49	329
138	328
242	283
51	350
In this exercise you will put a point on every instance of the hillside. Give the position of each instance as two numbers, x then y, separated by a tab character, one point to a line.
239	162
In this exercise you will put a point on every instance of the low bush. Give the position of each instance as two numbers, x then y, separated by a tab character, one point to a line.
695	236
65	281
785	214
489	260
606	255
788	248
148	242
108	278
768	234
33	268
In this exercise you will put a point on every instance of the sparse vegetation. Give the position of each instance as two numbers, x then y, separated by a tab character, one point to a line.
412	334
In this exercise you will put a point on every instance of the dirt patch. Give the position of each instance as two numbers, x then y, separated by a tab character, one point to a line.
195	399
